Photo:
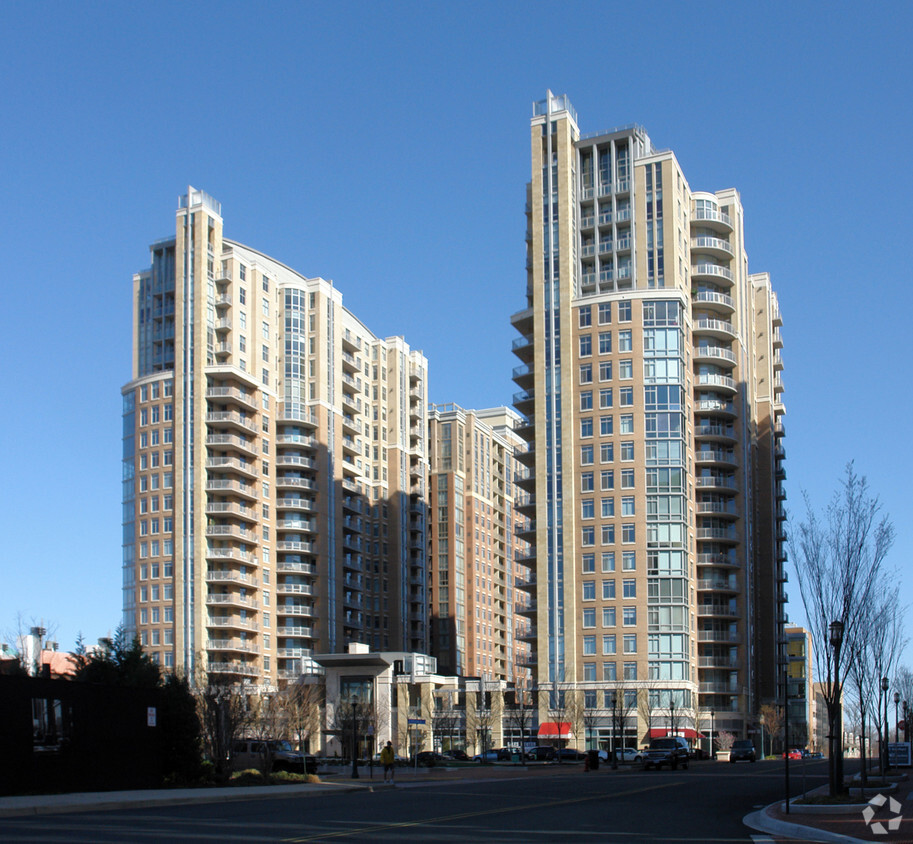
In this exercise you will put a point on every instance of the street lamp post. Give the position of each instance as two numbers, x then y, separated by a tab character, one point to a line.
712	751
835	743
614	731
885	685
355	738
671	715
896	722
905	716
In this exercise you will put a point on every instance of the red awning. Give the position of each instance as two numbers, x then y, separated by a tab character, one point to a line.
555	730
685	732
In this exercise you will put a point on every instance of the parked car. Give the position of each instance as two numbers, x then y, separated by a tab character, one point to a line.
569	754
543	753
742	750
456	755
249	753
623	754
487	756
429	758
793	753
672	751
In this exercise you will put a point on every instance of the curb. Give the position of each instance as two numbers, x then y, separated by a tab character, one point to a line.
55	804
762	822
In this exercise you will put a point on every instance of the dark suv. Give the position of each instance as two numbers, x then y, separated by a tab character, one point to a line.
672	751
742	749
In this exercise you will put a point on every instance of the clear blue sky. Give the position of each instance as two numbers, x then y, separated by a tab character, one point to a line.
385	146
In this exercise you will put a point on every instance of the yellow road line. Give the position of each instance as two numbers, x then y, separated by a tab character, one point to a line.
462	815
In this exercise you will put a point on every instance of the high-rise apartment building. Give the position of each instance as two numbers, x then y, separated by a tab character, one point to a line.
274	465
652	401
479	617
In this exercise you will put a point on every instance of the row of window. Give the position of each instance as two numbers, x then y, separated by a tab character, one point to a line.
156	593
150	504
609	644
150	392
610	616
628	562
604	342
147	482
151	438
607	425
628	590
151	526
606	480
607	535
607	507
604	313
151	571
607	398
158	615
606	453
625	371
155	414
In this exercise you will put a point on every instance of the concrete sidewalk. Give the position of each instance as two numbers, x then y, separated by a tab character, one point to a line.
839	827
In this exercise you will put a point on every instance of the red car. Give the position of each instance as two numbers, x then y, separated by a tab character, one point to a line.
794	754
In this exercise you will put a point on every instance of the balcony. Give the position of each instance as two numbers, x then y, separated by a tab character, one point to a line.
230	419
715	246
231	577
711	431
524	401
236	554
226	508
232	441
714	271
294	589
717	584
714	328
283	482
717	534
297	547
522	347
718	302
296	504
232	623
223	325
719	610
295	632
523	375
231	532
719	355
225	486
717	382
717	407
238	645
717	508
709	455
228	394
713	218
718	560
297	610
231	600
296	460
232	464
299	413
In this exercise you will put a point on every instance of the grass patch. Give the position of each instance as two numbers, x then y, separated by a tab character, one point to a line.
251	776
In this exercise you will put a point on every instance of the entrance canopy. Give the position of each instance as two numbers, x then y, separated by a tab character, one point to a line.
555	730
685	732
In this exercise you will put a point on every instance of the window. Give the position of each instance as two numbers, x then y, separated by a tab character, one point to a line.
628	534
605	426
587	508
608	590
608	535
586	345
608	561
629	561
626	396
588	535
627	505
605	313
605	370
586	482
586	426
606	452
625	369
608	507
589	563
630	670
629	588
605	397
630	643
629	617
586	455
608	616
586	373
589	645
264	353
605	342
589	617
606	480
584	316
589	590
624	311
626	423
264	306
627	479
608	644
586	400
609	673
625	341
627	451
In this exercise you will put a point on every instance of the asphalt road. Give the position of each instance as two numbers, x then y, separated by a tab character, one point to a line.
703	804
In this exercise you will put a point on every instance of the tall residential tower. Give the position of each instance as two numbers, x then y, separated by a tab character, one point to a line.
652	400
274	465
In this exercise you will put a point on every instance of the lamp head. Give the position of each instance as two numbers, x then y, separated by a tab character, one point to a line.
885	685
896	698
836	633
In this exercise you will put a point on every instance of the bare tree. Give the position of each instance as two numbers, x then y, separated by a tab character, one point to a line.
519	716
303	701
771	720
838	563
224	716
479	720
